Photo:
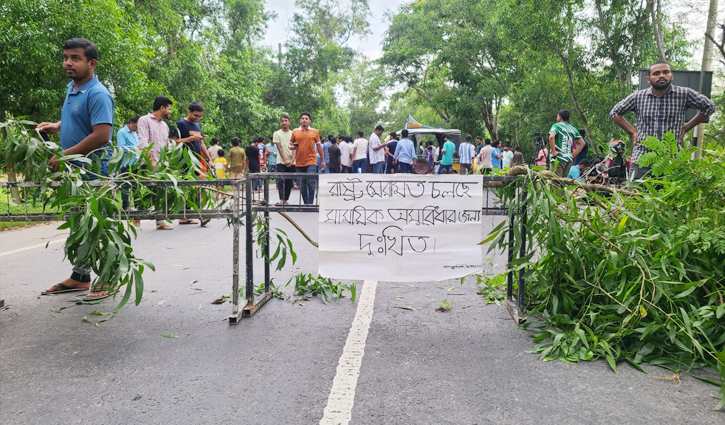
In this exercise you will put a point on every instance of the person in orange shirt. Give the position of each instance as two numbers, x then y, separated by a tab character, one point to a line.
303	142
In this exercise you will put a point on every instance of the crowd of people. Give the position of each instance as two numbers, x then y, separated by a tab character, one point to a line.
87	119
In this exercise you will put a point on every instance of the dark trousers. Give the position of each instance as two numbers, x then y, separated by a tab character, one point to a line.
361	164
307	188
403	167
285	185
333	170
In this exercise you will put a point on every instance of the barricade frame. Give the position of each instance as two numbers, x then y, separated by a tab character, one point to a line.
514	302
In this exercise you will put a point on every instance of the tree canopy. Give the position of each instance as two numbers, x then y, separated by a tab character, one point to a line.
498	68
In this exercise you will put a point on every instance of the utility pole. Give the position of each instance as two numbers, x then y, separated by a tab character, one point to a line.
706	65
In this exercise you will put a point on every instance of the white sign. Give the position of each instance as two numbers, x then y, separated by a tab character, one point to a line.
400	227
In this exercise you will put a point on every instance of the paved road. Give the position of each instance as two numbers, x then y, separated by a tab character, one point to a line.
468	366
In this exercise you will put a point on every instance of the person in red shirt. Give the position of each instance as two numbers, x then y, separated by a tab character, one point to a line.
304	141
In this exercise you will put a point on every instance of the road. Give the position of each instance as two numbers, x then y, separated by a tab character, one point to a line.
466	366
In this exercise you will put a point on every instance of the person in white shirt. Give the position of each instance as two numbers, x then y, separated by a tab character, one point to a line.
360	154
484	158
344	153
377	151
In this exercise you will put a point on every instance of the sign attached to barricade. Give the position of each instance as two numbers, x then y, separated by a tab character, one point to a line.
400	227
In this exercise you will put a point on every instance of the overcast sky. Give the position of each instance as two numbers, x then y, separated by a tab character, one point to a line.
278	31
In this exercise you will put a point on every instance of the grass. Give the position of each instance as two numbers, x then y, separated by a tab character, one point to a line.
7	206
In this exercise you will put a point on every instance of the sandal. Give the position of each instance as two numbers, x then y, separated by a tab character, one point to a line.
62	289
188	222
164	226
205	221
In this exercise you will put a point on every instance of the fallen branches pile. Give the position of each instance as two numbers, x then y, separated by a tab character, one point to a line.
634	275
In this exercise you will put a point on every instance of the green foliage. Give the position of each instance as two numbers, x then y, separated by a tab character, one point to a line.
637	275
492	288
505	67
284	244
666	155
276	291
307	285
445	305
189	50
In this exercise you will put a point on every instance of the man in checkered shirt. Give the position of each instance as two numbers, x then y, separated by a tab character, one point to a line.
660	109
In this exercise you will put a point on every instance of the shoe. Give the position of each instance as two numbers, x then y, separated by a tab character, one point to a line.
164	226
136	223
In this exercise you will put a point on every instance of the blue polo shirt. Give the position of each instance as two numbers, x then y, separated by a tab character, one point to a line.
90	105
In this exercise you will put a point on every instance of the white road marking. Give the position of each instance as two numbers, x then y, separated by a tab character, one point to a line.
342	395
27	248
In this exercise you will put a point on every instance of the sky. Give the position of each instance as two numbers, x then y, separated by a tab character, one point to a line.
278	30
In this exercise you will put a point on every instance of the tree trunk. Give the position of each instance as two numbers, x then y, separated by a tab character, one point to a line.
14	191
706	66
572	93
603	26
654	11
489	120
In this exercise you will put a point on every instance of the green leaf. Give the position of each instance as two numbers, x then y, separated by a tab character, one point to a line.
170	336
445	305
612	363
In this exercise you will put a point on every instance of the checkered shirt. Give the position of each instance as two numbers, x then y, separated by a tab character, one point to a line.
657	116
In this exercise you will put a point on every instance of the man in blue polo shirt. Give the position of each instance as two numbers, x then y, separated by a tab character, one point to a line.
87	119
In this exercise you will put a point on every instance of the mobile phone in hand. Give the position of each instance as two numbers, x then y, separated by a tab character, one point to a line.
43	135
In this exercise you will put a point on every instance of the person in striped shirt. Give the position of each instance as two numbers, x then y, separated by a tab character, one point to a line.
466	152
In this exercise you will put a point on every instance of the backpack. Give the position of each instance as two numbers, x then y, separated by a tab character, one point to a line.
617	168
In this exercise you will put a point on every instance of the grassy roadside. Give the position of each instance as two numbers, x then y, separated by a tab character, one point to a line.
7	206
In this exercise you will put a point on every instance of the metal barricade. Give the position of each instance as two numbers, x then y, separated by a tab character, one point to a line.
251	196
260	203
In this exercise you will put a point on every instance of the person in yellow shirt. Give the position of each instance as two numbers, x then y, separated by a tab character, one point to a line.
220	165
